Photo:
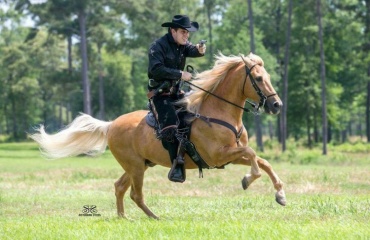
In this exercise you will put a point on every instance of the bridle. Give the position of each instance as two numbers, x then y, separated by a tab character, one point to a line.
262	96
256	107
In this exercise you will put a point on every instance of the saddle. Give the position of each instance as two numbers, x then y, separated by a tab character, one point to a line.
183	137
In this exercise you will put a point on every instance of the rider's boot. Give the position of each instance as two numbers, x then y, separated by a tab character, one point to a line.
177	172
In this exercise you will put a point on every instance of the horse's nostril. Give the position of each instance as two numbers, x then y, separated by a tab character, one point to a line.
277	105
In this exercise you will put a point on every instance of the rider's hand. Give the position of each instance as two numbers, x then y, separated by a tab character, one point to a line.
201	49
186	76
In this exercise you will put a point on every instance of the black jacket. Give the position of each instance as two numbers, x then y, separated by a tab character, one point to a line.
166	58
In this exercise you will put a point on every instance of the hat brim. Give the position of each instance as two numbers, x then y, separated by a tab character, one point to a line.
194	26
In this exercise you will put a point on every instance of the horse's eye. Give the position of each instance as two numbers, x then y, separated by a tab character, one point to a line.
259	79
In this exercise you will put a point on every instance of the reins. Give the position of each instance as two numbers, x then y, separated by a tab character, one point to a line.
221	98
256	107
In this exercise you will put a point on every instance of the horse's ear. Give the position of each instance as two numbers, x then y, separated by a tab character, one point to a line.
242	56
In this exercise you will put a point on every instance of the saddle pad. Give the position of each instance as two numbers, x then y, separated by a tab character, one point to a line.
150	119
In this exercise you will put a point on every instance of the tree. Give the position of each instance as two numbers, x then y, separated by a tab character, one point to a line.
323	82
117	40
283	126
257	119
213	10
367	53
84	70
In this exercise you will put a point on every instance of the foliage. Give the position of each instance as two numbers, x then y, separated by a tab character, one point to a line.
42	64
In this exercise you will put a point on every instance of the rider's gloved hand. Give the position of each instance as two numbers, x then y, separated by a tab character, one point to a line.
201	49
186	76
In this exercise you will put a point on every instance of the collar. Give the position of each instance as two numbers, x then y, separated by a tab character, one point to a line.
170	38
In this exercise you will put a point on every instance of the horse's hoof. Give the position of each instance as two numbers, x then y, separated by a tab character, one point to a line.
280	198
245	183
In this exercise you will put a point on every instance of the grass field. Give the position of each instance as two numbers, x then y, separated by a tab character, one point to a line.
328	198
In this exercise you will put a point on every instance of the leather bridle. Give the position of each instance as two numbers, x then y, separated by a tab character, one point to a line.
256	107
262	96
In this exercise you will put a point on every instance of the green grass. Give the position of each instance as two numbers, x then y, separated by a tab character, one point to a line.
42	199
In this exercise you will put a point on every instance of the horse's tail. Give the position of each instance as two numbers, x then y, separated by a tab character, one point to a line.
85	135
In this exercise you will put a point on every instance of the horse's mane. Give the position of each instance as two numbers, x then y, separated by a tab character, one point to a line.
210	79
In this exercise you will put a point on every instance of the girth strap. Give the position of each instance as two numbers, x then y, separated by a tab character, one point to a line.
222	123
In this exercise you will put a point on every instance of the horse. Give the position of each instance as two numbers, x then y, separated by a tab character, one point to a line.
219	93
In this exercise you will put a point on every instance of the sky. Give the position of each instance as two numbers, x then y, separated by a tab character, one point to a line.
37	1
26	21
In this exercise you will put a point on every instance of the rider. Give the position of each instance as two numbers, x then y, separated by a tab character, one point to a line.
167	56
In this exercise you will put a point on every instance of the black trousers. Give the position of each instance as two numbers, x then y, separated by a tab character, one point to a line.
168	120
166	110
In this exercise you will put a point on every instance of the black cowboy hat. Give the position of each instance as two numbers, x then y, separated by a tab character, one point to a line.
182	21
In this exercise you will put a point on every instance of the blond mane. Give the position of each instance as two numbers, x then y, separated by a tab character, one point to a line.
210	79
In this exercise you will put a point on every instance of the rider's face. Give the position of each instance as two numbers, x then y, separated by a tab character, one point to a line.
181	36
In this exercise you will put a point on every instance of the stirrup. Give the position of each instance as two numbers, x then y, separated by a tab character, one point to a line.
177	172
179	160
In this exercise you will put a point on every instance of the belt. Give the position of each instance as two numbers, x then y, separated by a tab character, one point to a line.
153	93
163	89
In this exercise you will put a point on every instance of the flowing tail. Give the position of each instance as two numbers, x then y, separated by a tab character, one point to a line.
85	135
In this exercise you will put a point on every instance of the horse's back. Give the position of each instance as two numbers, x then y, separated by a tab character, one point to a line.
130	119
131	137
126	126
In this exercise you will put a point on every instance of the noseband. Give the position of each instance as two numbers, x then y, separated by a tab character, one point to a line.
262	96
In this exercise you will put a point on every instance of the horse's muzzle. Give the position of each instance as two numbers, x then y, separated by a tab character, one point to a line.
273	106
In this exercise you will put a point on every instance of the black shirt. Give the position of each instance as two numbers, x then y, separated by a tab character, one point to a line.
167	58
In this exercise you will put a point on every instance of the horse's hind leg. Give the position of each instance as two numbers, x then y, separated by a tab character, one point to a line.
278	184
136	194
121	186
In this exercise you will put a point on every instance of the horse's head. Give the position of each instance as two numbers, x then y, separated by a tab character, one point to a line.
257	86
253	85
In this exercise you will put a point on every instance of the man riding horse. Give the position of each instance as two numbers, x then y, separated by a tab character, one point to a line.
167	57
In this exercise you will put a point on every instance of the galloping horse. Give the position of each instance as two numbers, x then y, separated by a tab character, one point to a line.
220	94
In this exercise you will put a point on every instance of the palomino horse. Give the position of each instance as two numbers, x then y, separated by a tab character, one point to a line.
221	94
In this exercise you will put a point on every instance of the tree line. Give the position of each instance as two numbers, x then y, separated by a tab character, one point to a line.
63	57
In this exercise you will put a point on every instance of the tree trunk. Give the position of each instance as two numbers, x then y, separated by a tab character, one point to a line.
285	80
101	85
315	128
69	39
69	113
257	118
330	133
209	5
368	108
323	83
70	68
85	77
60	114
308	124
279	120
367	52
344	136
14	118
271	130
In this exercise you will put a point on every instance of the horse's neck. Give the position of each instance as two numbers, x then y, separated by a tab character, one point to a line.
217	108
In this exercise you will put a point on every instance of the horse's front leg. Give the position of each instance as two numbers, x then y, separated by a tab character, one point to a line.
255	170
278	184
246	156
265	165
